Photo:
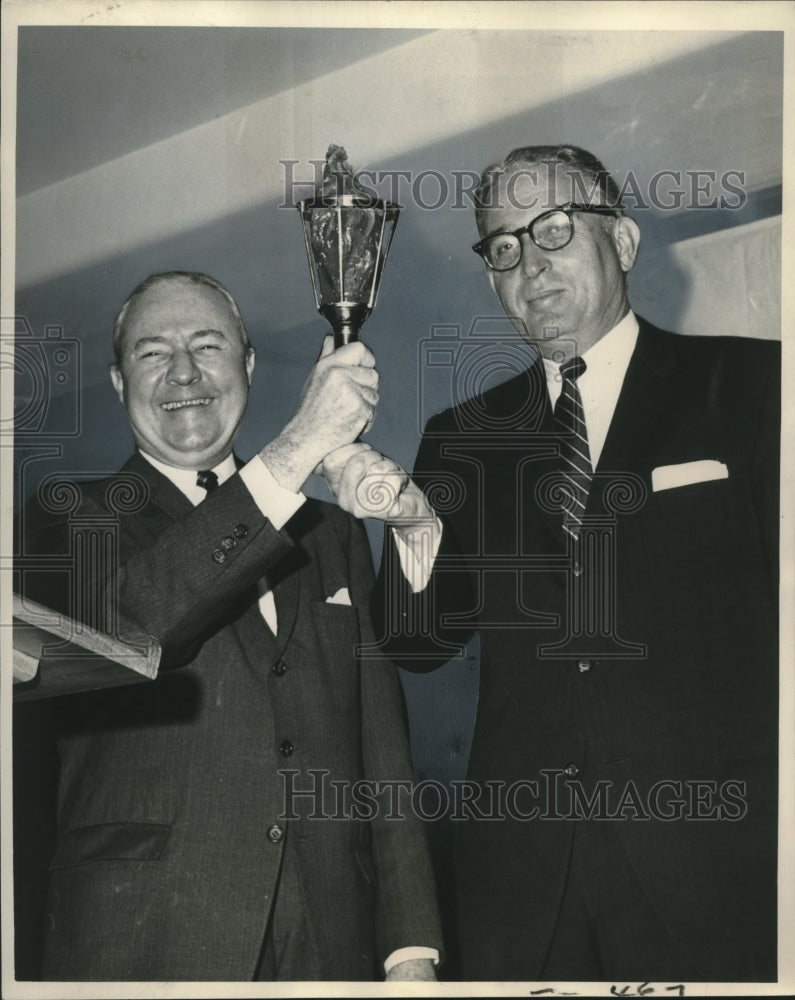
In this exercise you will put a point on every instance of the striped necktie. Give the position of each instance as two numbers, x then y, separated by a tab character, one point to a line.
574	451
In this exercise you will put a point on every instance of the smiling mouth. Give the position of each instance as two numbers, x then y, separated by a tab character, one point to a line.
180	404
543	296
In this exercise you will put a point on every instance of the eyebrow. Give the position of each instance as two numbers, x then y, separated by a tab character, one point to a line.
505	230
502	231
145	341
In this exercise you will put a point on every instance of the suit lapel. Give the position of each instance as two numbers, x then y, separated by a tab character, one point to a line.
258	644
638	417
163	494
286	591
286	594
642	402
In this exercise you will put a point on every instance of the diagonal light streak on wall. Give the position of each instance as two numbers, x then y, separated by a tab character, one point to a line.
443	84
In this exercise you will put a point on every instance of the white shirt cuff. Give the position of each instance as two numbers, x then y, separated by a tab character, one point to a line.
417	548
406	954
275	502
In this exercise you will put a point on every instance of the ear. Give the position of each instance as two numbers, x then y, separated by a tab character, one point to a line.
251	357
118	381
626	240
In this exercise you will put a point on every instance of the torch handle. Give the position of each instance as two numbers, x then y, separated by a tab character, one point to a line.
345	320
345	335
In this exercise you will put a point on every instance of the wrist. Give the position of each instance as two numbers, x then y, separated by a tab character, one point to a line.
411	512
291	459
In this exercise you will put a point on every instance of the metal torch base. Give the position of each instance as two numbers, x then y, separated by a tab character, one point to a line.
345	320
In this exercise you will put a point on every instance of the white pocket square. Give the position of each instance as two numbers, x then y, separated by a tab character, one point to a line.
341	597
667	477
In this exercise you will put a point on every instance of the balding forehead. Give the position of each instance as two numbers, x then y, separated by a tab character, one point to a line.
167	299
166	287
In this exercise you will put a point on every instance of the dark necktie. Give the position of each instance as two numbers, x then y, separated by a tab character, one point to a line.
207	479
574	451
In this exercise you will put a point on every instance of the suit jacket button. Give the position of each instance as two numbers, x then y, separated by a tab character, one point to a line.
279	667
240	531
583	666
275	833
286	748
228	542
219	555
571	770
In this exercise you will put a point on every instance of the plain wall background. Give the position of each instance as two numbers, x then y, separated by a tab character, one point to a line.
145	149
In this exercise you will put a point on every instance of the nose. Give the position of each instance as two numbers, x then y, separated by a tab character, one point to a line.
534	259
183	369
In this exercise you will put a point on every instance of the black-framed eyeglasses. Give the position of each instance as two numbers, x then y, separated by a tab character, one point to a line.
551	230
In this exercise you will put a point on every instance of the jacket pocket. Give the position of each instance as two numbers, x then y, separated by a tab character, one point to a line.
715	491
110	842
345	614
337	627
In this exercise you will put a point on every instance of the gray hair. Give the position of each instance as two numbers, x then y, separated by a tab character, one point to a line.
188	277
572	157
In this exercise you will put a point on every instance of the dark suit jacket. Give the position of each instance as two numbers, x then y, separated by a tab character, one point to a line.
170	834
671	675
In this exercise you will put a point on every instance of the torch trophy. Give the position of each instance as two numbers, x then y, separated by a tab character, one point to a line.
347	233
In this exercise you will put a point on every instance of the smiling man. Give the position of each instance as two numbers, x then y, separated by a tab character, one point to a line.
183	383
608	523
556	257
184	849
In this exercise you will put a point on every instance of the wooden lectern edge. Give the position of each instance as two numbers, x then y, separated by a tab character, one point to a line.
36	625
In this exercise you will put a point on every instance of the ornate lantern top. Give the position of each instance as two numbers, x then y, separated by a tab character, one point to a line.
347	233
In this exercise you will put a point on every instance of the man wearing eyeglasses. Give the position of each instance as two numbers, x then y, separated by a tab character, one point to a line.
607	522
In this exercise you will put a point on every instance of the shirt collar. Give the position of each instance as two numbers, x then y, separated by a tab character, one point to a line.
616	346
619	343
185	479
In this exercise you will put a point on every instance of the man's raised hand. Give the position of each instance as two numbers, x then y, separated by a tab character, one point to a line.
337	405
367	484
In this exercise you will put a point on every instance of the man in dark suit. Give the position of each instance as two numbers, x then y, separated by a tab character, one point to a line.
185	848
608	522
